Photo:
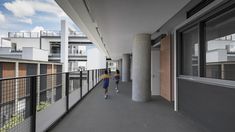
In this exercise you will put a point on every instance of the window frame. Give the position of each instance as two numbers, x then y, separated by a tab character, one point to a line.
200	23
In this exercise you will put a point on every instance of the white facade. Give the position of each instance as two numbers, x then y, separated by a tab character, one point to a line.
30	53
95	59
46	46
31	42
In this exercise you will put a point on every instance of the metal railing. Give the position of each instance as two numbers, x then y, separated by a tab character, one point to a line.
23	34
34	103
50	33
45	33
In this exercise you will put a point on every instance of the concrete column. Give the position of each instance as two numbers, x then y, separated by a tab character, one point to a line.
126	67
120	65
141	84
64	45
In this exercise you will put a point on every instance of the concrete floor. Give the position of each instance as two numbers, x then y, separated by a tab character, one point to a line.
120	114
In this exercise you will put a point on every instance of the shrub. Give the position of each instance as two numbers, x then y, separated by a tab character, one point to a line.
42	105
12	122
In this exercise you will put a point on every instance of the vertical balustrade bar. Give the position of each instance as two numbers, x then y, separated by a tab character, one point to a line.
92	78
96	76
87	76
81	84
67	91
33	94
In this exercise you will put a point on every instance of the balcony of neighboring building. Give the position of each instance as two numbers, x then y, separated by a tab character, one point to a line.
75	52
28	53
44	33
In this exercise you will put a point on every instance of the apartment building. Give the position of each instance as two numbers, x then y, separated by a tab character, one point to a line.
14	94
46	46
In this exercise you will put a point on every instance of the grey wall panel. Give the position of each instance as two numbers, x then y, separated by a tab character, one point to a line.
211	105
229	71
31	69
43	82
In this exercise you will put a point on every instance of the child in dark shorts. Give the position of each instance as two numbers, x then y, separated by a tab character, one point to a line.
105	77
117	78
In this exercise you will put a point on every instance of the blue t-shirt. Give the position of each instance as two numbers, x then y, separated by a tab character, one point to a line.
105	78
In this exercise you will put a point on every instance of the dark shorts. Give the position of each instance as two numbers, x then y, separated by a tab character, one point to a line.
105	86
117	81
105	83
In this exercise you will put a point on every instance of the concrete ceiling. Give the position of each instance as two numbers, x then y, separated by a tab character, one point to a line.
119	20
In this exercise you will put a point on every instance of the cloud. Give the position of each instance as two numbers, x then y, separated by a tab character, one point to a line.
49	7
26	20
37	29
2	18
20	8
26	8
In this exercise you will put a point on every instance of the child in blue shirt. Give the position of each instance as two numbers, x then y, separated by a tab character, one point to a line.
105	77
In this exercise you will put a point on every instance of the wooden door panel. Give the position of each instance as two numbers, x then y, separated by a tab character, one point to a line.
165	68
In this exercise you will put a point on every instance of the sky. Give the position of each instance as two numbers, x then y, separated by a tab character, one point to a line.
31	15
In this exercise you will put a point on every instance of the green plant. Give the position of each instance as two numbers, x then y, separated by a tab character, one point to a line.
42	105
13	121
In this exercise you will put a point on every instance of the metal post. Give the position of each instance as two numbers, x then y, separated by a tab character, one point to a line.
33	96
92	78
202	49
81	83
67	90
96	76
87	76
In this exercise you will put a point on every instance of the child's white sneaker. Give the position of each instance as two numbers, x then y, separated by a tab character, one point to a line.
106	96
117	91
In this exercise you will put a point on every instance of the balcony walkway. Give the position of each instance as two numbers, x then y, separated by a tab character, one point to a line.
120	114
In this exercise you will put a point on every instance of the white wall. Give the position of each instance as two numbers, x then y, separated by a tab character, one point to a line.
30	53
216	56
217	44
95	59
26	42
155	72
5	50
5	43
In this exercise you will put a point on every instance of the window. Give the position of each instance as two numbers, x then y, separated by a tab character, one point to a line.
190	52
70	49
82	50
71	66
55	48
13	46
220	43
